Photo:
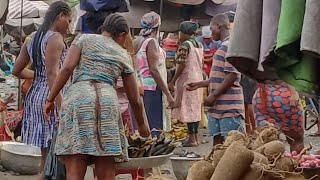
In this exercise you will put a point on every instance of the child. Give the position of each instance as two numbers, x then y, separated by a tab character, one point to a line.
225	93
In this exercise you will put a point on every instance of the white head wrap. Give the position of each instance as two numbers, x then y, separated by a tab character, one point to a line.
206	32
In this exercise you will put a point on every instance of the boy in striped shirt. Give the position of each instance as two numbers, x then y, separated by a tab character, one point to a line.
226	97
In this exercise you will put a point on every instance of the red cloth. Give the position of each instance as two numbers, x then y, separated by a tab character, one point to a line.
207	60
12	120
3	134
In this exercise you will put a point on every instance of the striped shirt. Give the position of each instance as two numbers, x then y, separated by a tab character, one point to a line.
229	104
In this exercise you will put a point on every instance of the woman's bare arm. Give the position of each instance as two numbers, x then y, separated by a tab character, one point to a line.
131	89
153	62
19	68
72	60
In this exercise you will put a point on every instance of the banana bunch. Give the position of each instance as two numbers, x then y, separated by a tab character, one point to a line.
178	133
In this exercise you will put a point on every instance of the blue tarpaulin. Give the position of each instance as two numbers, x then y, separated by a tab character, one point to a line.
104	5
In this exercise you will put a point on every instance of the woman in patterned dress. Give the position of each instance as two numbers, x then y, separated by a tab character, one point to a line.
189	69
279	104
150	59
90	128
46	51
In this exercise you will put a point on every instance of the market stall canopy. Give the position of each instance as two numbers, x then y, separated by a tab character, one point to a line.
31	9
189	2
172	15
29	25
212	8
3	10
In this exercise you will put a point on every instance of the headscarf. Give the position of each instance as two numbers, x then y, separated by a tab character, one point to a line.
149	22
188	27
206	32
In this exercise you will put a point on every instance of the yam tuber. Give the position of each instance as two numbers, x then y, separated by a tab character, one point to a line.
285	164
259	158
216	157
272	149
234	163
255	172
294	177
266	135
234	136
157	177
201	170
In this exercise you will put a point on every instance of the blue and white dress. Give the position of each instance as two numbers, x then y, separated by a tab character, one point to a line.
36	130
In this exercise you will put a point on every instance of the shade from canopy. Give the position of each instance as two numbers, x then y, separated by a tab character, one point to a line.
29	25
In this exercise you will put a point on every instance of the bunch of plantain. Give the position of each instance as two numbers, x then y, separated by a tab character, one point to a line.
178	132
143	147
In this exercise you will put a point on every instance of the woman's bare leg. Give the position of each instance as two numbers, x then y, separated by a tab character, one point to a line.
251	117
43	161
76	166
247	119
105	168
295	140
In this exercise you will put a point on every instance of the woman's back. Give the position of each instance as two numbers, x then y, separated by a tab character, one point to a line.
40	69
102	59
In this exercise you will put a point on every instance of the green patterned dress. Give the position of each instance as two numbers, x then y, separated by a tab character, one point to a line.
90	118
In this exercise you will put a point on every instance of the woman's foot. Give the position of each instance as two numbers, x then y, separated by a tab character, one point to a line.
315	134
189	144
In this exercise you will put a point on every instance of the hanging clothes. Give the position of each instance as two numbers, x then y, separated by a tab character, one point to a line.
283	43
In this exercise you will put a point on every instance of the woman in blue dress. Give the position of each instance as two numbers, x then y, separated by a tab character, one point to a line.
46	51
90	127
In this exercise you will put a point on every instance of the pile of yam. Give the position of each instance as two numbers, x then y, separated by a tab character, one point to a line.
259	157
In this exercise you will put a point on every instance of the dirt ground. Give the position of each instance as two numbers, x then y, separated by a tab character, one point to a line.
203	149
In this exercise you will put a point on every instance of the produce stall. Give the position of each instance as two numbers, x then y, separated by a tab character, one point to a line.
261	156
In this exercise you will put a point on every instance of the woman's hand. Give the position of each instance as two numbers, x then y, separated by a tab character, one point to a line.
144	130
210	100
193	86
48	109
171	86
171	102
141	91
294	99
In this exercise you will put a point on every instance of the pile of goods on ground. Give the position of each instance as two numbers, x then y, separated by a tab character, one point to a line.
178	132
250	158
146	147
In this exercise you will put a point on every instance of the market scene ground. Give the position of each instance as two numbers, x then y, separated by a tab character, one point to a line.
167	168
160	90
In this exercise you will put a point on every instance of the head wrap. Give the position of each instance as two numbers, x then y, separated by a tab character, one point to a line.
206	32
149	22
230	15
188	27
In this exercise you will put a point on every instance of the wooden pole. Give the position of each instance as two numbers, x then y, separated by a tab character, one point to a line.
21	42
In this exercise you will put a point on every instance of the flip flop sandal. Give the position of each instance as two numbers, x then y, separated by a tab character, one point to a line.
314	134
193	155
189	144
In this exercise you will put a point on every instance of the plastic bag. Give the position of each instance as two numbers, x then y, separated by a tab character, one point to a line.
53	168
72	3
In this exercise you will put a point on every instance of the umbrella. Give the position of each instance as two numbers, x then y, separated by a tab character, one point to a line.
171	19
189	2
3	10
29	25
31	9
213	8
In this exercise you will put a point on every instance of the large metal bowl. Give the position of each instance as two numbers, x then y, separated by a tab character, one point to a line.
6	142
21	158
181	166
311	172
143	163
